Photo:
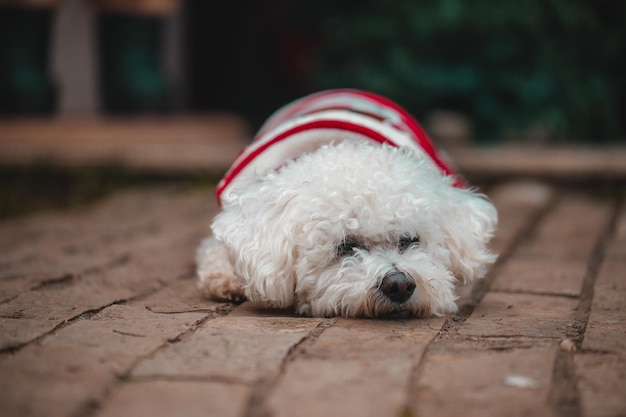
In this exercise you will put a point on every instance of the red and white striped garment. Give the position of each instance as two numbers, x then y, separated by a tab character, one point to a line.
318	119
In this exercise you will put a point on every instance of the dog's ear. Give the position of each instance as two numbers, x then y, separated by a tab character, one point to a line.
468	228
260	245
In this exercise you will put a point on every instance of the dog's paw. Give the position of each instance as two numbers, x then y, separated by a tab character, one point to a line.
216	277
223	288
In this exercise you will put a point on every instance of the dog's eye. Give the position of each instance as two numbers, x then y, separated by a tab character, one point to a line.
407	241
347	247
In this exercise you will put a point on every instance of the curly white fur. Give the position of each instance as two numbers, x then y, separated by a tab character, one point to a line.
276	240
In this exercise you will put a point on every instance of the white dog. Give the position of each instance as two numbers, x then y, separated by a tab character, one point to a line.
341	206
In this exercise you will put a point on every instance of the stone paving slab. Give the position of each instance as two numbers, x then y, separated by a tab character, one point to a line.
60	245
485	382
180	296
237	349
601	383
502	314
571	229
542	275
617	249
601	366
352	361
133	246
177	398
99	316
341	388
605	330
71	368
525	200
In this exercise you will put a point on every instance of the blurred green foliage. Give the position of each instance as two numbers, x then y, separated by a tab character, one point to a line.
509	65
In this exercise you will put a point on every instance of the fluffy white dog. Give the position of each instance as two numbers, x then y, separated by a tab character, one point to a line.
341	206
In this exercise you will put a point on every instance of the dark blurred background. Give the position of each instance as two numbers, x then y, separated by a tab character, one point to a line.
530	69
98	95
524	70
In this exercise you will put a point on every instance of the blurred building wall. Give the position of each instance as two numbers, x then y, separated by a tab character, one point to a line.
74	59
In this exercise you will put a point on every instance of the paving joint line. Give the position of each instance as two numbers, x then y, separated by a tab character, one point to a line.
207	310
508	336
564	394
85	315
594	264
485	285
415	373
538	293
91	407
454	322
69	278
9	299
113	263
298	349
125	375
263	387
189	378
62	280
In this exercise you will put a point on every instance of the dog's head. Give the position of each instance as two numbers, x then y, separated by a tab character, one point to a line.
357	229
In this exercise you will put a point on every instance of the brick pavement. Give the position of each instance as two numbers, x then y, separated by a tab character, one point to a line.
99	316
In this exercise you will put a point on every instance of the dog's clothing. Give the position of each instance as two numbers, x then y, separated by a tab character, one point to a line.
342	206
319	119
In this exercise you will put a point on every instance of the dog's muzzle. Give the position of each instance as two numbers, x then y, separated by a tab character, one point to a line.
397	286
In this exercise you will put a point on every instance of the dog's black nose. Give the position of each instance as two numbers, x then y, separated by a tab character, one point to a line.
397	286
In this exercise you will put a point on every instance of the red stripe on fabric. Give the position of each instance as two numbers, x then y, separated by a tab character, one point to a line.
317	124
422	139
